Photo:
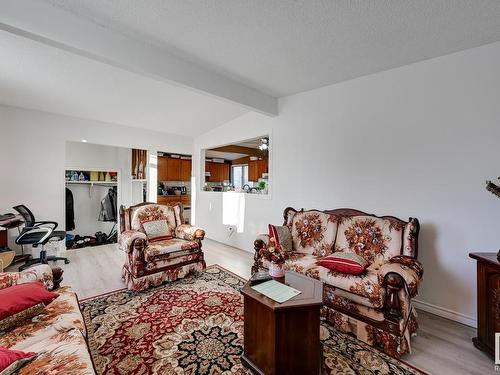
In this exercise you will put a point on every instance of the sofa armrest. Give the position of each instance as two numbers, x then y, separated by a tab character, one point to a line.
41	272
189	233
408	268
128	237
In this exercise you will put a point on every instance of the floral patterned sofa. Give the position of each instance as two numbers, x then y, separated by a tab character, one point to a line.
375	306
149	263
57	335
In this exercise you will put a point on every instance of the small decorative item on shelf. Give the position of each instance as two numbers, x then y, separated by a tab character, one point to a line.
277	256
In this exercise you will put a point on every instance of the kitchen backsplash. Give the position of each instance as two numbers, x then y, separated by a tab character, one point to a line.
178	183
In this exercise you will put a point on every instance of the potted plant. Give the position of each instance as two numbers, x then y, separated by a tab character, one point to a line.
276	256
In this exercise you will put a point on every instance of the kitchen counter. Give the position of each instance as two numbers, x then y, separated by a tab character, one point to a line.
184	199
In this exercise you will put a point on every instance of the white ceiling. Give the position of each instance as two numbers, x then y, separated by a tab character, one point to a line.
41	77
284	47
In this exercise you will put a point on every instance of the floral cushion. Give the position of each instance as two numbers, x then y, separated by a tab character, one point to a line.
376	240
151	212
313	232
162	248
157	230
364	289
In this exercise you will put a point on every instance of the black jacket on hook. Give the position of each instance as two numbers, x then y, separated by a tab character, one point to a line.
70	211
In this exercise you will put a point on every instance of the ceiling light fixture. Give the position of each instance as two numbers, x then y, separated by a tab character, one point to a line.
264	144
84	140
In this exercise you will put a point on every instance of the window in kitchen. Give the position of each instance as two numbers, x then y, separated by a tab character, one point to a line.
239	176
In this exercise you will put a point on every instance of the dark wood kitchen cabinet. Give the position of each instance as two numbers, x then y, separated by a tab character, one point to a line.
218	171
170	169
488	301
185	170
256	168
162	168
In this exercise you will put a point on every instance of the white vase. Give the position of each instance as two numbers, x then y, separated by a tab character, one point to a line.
276	270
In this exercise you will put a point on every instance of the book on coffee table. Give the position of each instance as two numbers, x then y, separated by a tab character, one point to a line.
277	291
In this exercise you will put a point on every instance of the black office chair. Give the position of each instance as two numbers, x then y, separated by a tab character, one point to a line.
37	233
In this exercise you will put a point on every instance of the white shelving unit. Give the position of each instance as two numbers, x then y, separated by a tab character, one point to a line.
91	184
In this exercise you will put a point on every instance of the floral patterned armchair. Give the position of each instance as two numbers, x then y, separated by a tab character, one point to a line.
149	263
375	306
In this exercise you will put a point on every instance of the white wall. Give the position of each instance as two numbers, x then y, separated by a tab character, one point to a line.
417	141
33	158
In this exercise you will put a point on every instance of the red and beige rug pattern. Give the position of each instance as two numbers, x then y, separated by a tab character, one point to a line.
195	326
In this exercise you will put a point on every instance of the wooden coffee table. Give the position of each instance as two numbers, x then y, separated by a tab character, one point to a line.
283	338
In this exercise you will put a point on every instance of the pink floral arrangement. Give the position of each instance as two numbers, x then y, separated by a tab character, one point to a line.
273	252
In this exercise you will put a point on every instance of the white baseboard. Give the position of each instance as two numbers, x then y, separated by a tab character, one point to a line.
445	313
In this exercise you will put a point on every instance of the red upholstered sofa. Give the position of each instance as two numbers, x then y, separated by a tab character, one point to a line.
375	306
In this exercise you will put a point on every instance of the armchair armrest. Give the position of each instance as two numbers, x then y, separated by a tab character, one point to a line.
129	237
189	233
408	268
41	272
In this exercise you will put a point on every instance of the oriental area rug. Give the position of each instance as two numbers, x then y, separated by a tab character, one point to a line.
195	326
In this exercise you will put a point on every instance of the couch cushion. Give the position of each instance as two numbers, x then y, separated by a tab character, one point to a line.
168	248
20	297
377	240
282	236
350	263
157	230
60	315
364	289
12	360
298	262
57	335
313	232
151	212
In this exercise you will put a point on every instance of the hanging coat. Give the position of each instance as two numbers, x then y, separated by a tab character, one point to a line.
109	206
70	211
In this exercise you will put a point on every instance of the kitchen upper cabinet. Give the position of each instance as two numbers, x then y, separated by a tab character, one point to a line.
256	168
173	169
170	169
185	170
162	168
218	171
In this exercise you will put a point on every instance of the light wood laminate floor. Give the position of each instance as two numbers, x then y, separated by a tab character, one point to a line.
441	347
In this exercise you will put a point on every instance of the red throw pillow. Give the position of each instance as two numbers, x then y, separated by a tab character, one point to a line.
23	296
10	357
350	263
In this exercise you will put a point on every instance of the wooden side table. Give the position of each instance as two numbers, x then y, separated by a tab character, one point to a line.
488	301
283	338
